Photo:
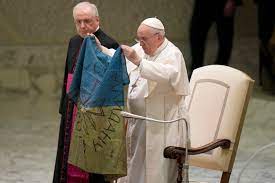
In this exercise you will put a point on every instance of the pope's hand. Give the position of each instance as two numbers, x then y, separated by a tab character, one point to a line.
131	54
98	43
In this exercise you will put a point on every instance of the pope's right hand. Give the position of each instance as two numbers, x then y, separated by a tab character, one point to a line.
131	54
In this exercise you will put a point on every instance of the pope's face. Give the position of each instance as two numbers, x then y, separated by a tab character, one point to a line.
85	22
148	39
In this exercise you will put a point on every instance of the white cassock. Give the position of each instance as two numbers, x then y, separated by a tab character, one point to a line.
157	89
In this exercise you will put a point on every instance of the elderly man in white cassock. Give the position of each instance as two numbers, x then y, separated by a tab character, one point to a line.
158	86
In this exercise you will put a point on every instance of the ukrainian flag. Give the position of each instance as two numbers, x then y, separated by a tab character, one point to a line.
98	137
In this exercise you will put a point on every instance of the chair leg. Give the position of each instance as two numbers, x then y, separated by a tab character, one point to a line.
225	177
180	161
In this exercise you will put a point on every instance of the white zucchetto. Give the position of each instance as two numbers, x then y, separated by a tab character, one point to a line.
153	22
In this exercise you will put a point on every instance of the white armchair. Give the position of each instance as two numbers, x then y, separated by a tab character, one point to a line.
217	107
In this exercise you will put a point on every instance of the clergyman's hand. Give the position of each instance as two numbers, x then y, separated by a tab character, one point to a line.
131	54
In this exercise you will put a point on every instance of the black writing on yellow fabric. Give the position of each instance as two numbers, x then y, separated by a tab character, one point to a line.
84	146
92	123
113	116
97	111
111	153
85	126
105	134
86	121
110	127
96	145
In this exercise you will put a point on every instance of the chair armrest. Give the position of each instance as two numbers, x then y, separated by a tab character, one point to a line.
173	152
134	116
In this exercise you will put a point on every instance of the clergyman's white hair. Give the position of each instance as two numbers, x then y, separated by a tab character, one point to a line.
84	5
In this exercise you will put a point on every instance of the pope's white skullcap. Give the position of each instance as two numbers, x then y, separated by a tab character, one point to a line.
153	22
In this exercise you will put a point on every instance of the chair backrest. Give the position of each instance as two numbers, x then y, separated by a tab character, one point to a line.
217	107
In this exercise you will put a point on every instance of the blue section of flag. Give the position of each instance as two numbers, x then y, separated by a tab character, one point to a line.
98	78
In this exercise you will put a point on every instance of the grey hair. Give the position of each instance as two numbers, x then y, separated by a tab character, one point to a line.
83	5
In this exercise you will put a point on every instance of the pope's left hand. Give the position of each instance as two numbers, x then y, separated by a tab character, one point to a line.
98	43
131	54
